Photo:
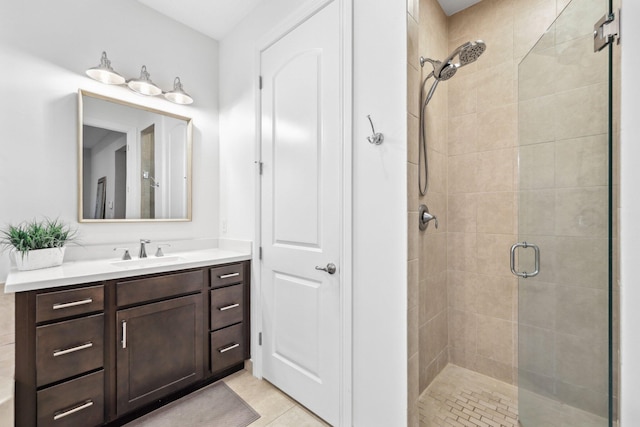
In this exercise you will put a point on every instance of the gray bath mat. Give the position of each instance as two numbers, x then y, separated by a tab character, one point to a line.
213	406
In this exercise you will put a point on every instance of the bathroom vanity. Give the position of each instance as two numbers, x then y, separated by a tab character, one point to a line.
103	352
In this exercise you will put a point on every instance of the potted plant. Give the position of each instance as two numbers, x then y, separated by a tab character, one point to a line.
37	244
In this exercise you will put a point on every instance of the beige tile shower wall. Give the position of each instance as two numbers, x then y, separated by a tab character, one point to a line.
427	315
413	293
482	180
433	316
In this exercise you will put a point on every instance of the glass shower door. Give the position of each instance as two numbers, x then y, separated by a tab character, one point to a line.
563	209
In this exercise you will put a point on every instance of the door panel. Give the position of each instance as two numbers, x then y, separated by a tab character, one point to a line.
300	212
297	115
564	191
296	323
160	350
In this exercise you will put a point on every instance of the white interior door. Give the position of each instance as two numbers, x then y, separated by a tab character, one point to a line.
301	212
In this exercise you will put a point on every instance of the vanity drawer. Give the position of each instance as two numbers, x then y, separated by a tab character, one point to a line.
226	306
159	287
56	305
227	347
227	275
79	402
69	348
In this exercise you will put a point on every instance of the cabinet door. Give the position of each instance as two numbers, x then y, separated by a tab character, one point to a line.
160	350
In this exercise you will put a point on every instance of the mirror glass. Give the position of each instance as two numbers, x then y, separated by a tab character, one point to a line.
134	162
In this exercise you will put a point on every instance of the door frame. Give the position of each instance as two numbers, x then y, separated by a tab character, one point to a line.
345	261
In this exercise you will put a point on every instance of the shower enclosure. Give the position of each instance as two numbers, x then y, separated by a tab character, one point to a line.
565	205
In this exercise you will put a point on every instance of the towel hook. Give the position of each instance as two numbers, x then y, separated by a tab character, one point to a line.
377	137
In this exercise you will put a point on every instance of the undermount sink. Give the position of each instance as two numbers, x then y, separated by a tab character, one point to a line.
146	262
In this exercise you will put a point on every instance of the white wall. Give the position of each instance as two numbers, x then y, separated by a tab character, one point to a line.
380	214
45	47
238	81
629	216
379	187
103	164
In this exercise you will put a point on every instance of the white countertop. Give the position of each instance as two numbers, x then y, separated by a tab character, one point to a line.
76	272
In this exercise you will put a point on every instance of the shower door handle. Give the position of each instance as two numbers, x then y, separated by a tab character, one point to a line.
536	251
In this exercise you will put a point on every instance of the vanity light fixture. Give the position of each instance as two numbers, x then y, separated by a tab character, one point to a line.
143	85
178	95
104	73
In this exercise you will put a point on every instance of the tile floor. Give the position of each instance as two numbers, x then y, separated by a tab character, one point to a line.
276	409
460	397
541	411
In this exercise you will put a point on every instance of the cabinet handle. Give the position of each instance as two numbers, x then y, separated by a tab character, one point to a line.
226	276
231	347
72	304
72	349
228	307
124	334
63	414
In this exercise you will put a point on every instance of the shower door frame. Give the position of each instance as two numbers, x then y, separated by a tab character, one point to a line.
611	181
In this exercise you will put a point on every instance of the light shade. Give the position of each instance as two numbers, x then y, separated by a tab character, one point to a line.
104	73
178	95
144	85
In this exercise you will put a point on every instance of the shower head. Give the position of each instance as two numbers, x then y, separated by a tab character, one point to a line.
466	53
440	71
448	71
471	52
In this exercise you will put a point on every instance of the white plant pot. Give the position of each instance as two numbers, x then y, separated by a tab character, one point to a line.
39	258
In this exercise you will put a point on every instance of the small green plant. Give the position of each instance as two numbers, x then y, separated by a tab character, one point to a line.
35	234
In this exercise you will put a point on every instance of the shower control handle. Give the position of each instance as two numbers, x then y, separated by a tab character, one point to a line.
424	217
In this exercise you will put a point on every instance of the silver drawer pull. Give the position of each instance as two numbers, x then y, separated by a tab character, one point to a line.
72	304
124	334
229	307
72	349
63	414
226	276
231	347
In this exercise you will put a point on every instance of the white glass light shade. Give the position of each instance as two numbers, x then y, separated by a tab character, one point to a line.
144	85
104	73
178	95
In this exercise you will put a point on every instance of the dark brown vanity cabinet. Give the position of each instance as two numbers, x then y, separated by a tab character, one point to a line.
229	324
60	357
102	354
160	350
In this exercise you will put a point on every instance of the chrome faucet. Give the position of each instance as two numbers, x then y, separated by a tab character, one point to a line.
143	251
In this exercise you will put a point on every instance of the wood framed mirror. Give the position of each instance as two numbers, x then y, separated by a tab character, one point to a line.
143	153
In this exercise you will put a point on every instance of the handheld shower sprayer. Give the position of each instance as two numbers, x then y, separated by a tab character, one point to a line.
466	54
